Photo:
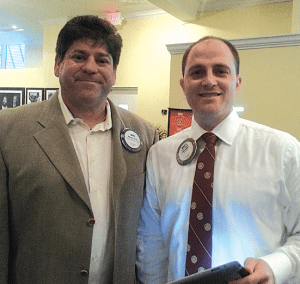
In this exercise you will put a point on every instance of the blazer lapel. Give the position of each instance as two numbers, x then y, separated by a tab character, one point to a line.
118	164
56	142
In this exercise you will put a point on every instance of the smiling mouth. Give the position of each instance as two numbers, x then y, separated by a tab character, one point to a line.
209	95
88	81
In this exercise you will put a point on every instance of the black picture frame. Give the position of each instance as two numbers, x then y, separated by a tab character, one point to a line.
34	95
49	92
14	97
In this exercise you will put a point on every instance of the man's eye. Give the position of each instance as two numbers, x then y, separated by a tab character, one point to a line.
103	61
196	72
221	71
77	57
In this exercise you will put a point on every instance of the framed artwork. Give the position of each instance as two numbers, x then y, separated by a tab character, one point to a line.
49	92
34	95
178	120
11	97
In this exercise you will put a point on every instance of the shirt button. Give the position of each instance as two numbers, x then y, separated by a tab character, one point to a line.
84	272
91	222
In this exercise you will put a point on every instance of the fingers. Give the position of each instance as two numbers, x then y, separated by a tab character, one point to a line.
250	264
260	273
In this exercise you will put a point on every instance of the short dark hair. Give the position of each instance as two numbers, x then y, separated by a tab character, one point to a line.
230	45
89	27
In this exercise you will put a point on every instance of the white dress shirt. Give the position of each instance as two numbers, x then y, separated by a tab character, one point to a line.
93	149
256	202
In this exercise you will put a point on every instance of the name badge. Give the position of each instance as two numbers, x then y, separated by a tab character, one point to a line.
131	140
186	151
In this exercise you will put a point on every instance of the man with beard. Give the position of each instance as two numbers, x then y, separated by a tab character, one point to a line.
4	102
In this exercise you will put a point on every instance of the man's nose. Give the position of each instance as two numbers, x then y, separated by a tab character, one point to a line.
209	80
90	65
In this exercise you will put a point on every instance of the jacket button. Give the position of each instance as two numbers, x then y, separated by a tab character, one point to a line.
91	222
84	272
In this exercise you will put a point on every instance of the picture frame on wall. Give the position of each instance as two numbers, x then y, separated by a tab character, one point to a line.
11	97
178	120
34	95
49	92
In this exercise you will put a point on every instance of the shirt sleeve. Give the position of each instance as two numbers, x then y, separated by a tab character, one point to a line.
285	261
151	259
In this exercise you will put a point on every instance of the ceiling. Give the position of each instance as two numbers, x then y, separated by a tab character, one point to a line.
29	16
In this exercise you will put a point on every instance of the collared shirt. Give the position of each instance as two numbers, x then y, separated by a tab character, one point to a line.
256	197
93	149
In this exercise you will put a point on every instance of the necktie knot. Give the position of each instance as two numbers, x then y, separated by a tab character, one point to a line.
210	138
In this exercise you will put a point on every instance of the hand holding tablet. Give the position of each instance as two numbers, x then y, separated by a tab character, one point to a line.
218	275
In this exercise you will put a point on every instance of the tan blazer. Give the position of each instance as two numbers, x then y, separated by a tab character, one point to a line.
45	233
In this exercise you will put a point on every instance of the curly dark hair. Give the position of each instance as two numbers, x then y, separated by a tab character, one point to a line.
89	27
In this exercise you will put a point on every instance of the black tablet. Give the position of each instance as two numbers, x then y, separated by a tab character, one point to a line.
218	275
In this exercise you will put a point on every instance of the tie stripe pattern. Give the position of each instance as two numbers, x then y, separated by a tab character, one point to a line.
199	245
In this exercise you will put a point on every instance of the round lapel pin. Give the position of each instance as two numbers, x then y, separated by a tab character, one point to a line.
186	151
131	140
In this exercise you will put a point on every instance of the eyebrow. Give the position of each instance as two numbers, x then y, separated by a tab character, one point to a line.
222	66
203	66
200	66
102	54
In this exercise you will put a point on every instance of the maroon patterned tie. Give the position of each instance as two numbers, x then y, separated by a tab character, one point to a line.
199	245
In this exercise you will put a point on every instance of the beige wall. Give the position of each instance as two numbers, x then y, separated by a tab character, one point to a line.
28	77
270	92
270	87
50	37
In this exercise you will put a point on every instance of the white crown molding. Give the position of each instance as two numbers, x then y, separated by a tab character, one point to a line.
144	14
267	41
124	90
208	6
248	43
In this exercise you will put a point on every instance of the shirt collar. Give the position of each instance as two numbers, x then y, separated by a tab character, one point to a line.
226	130
69	118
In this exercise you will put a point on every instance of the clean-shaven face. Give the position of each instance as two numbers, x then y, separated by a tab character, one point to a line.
210	82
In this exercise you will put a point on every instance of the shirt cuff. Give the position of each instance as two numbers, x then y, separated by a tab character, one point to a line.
280	265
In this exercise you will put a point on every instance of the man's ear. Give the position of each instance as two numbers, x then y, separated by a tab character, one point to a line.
56	66
238	83
181	82
115	74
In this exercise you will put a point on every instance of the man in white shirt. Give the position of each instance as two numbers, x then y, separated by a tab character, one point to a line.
72	171
256	186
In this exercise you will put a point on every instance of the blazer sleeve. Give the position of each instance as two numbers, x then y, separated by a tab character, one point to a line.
4	228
